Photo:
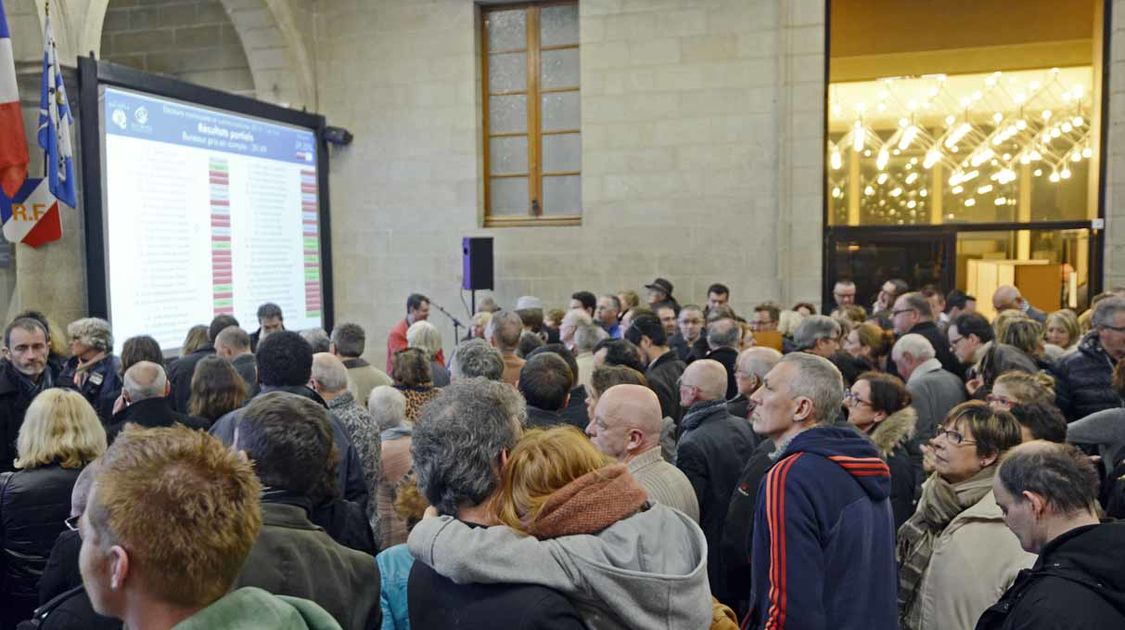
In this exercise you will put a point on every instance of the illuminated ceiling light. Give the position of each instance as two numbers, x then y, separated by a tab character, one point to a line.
1046	114
896	192
837	193
949	120
957	134
837	160
1036	156
1054	178
1078	91
881	179
1021	124
907	137
1066	127
970	175
911	204
965	101
911	178
1078	121
932	157
1019	98
957	190
1055	133
1000	201
1037	172
923	193
857	136
1065	173
1005	176
1025	159
980	157
1076	156
984	190
969	203
869	190
1087	153
997	117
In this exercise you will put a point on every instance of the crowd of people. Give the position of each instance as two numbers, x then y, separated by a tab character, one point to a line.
616	463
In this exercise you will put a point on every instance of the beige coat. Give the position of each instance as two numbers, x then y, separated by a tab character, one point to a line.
975	560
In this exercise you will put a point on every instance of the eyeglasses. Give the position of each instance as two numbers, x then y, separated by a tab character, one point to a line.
851	397
953	342
72	523
953	437
1113	328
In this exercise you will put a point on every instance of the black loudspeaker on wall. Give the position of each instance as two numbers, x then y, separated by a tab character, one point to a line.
476	263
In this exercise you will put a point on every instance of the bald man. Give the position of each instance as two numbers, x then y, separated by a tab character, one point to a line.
626	426
144	394
1008	297
713	448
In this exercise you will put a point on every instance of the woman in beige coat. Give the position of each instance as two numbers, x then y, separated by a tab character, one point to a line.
956	557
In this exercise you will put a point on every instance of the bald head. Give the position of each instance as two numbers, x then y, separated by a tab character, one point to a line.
626	422
328	373
144	380
708	379
1006	297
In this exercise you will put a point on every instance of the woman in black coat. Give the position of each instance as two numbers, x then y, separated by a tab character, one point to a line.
60	435
879	406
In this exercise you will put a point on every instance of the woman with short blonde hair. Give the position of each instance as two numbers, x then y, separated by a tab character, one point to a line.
92	369
60	435
427	338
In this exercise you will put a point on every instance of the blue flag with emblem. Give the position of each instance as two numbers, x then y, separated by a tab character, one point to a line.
55	122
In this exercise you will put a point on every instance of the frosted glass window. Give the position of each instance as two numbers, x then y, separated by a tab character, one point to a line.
507	73
559	68
562	195
507	30
508	154
507	114
561	110
562	152
509	196
558	25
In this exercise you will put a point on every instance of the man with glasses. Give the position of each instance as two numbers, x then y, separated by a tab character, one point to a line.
933	389
713	447
689	341
913	314
843	294
1083	377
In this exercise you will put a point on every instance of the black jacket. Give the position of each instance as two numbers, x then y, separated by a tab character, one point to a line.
1083	380
180	373
738	529
70	610
714	446
663	376
1078	583
689	353
437	603
61	573
247	368
102	384
34	504
544	418
739	406
14	401
729	358
349	470
942	352
575	411
150	413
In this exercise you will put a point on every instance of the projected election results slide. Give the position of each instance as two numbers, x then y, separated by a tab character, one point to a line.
206	212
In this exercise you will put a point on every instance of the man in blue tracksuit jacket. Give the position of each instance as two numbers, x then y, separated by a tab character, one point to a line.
823	552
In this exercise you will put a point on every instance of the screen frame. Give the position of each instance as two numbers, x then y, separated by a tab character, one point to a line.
92	74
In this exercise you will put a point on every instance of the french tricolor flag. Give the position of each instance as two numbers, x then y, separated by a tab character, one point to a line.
13	144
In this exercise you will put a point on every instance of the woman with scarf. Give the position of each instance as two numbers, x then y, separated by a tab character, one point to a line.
956	556
93	370
573	522
879	406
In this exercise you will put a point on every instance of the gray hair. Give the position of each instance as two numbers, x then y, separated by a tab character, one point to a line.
918	302
819	381
387	406
1105	311
1059	473
424	335
504	329
813	329
144	380
918	346
475	358
458	440
586	336
234	338
317	339
329	372
349	339
723	333
92	331
758	361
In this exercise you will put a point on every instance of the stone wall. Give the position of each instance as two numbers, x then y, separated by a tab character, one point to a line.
688	171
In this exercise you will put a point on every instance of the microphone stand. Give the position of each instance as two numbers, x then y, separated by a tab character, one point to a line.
456	322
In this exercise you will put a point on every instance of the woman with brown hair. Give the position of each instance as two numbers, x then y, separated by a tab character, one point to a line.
413	376
60	435
584	527
216	389
955	554
870	341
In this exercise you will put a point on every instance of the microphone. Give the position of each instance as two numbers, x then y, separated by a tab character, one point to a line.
455	321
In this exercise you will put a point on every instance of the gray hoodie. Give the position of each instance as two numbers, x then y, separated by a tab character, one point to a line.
648	571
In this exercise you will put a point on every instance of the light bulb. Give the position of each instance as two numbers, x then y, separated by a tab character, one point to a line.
984	190
1055	133
1076	156
1087	153
896	192
957	134
857	136
1000	201
1037	172
836	192
881	179
1065	173
1021	124
907	137
1078	121
1025	159
911	178
957	190
1078	91
970	175
1066	127
869	190
911	204
932	157
997	117
970	203
1054	178
923	193
949	120
837	160
1046	114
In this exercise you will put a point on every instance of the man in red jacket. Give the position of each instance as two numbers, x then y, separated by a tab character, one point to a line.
417	309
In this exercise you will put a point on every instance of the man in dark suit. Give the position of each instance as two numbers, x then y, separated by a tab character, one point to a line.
146	403
913	314
181	371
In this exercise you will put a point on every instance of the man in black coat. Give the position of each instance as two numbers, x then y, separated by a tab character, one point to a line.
285	364
722	338
145	395
456	441
664	366
689	342
1083	378
1048	493
24	373
545	382
182	369
913	314
574	411
714	446
270	320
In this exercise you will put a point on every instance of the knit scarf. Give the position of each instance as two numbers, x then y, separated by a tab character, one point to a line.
700	410
941	502
589	504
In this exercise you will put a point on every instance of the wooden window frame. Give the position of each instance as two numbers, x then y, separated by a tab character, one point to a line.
533	132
